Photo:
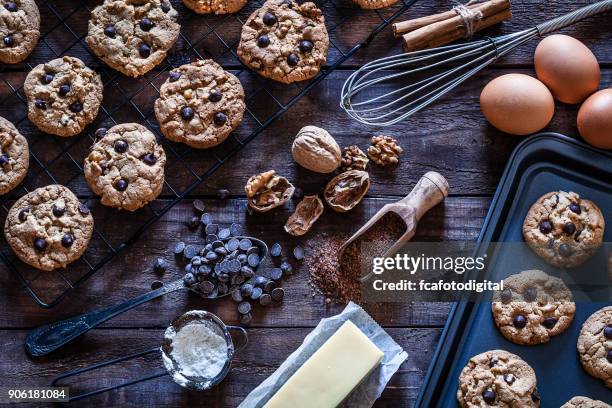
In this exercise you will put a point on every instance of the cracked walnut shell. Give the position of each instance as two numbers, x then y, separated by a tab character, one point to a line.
353	158
307	212
384	150
347	189
268	190
316	150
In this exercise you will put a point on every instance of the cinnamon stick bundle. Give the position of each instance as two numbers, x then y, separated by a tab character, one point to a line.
443	28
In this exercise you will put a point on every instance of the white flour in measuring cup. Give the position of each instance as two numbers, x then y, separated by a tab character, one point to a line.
198	350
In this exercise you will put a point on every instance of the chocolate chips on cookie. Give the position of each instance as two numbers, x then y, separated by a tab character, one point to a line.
14	156
20	25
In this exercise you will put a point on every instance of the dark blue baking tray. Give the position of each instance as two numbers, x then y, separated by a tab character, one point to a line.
542	163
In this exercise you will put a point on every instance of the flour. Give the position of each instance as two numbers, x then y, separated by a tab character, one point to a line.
199	351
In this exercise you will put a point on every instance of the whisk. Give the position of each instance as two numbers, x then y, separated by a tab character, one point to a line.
432	73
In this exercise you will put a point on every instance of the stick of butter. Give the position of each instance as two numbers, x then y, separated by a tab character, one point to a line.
331	373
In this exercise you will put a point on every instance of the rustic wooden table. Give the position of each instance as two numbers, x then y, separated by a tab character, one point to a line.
450	137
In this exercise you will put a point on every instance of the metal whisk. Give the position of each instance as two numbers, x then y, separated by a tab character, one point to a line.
432	73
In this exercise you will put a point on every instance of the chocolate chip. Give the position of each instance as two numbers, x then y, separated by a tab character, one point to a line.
509	379
198	205
489	396
259	281
179	247
110	31
549	322
215	96
23	214
160	265
67	240
265	299
506	295
545	226
298	253
189	279
244	307
40	104
145	24
144	50
277	294
40	244
565	250
120	146
256	294
263	41
10	6
235	229
275	273
306	46
57	210
157	284
569	228
8	41
609	356
4	160
83	209
575	208
286	268
190	251
535	395
519	321
206	219
211	229
194	222
76	107
608	331
276	250
46	79
149	159
246	319
174	76
292	60
100	133
493	362
120	185
577	234
223	193
530	294
64	89
164	7
269	19
187	113
220	118
253	260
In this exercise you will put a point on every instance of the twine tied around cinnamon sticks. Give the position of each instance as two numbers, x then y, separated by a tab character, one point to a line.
462	21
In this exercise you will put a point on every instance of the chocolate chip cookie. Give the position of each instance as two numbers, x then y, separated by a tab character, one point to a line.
19	29
215	6
532	307
564	229
126	166
200	104
374	4
595	345
497	378
63	96
285	41
49	228
133	36
584	402
14	156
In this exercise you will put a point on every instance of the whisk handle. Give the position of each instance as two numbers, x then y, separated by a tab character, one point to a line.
573	17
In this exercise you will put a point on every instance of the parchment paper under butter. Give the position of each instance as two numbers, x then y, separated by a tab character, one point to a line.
364	395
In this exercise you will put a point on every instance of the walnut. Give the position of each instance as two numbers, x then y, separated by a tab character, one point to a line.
347	189
353	158
267	190
306	213
315	149
384	150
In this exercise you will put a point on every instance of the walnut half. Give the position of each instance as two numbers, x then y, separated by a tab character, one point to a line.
267	190
384	150
353	158
307	212
347	189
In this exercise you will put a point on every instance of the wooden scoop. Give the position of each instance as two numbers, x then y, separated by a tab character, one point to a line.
430	190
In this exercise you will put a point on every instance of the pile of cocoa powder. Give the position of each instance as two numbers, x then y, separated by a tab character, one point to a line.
339	280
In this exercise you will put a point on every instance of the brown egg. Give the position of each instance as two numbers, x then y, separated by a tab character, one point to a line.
517	104
595	119
567	67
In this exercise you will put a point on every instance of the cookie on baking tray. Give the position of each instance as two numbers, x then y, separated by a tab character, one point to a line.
532	307
497	378
285	41
564	229
64	96
215	6
200	104
125	166
19	29
595	345
14	156
49	228
585	402
133	36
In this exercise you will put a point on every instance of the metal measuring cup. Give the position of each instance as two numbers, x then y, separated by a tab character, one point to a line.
171	368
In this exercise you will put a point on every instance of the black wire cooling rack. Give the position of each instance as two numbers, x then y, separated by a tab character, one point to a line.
59	160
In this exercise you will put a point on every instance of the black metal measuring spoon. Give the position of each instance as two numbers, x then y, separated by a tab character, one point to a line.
220	338
48	338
